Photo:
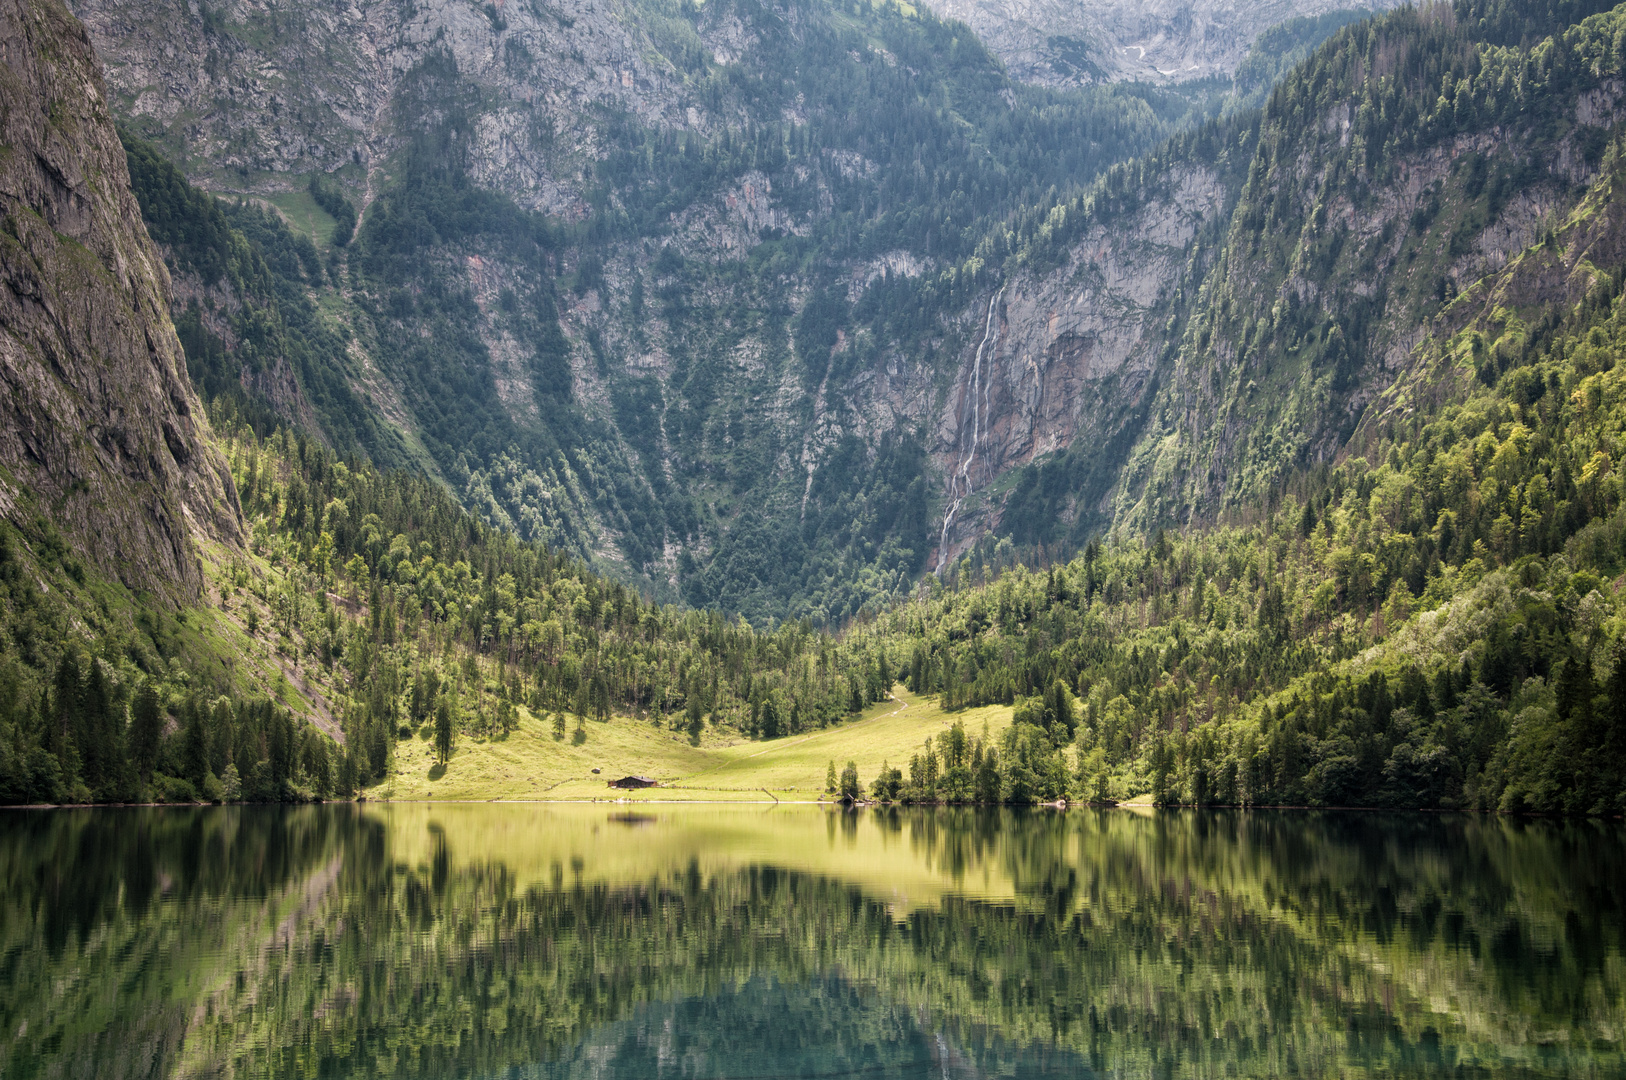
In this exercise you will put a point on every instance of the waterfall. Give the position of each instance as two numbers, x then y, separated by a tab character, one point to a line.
960	480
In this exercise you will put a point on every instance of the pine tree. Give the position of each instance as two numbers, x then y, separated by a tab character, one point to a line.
445	730
194	742
146	730
850	788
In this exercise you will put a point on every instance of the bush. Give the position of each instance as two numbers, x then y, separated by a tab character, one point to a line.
173	789
213	790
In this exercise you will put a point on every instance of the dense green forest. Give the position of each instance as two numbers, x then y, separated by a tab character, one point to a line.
408	611
106	697
1435	624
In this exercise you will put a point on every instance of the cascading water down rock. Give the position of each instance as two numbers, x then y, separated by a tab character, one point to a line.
959	486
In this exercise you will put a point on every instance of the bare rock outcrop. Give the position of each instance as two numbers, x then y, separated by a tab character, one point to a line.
99	421
1066	350
253	94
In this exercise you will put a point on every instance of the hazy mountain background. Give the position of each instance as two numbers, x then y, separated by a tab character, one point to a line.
1075	42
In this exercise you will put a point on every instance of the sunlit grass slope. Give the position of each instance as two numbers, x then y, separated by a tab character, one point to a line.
302	214
531	764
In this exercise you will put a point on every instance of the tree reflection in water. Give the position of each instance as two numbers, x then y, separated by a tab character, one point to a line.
438	941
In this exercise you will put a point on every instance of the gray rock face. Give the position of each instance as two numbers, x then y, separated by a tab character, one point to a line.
1067	42
249	91
1069	351
98	422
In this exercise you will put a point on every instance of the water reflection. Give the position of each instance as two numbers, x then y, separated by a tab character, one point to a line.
438	941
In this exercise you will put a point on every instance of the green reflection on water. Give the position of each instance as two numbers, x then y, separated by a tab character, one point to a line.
445	940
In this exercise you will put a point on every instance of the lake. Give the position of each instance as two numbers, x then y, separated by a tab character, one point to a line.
554	941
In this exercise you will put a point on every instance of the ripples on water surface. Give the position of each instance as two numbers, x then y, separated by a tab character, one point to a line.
550	942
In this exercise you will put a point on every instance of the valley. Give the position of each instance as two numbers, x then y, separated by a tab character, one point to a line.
1211	452
843	538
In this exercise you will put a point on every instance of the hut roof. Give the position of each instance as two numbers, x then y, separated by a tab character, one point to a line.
634	782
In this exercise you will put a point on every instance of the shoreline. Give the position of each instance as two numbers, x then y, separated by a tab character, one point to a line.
1139	808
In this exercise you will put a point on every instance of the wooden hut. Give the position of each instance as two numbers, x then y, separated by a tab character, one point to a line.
630	783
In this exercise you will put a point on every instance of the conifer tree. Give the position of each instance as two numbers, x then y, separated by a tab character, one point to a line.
445	730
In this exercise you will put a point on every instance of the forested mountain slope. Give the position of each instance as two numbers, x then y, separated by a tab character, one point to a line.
1316	246
659	284
1436	621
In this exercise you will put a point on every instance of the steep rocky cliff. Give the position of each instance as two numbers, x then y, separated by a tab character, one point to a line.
241	90
100	430
1070	358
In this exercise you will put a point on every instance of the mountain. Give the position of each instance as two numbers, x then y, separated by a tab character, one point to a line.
1335	378
1230	307
655	284
1165	41
733	336
104	446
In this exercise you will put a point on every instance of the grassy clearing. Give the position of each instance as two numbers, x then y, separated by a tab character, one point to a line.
303	215
531	764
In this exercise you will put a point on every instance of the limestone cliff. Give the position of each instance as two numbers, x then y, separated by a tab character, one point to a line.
1069	352
100	429
250	92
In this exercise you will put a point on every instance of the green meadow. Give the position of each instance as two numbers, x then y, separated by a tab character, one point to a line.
530	763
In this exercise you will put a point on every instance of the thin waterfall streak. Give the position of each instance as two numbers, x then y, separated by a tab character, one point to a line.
978	407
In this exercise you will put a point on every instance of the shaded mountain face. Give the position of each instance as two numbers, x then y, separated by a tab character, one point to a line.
776	307
676	288
1067	42
101	435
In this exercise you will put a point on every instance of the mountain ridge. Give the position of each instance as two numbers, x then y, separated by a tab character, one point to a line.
781	214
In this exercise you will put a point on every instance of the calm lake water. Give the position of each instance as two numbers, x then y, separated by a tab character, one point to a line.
553	941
